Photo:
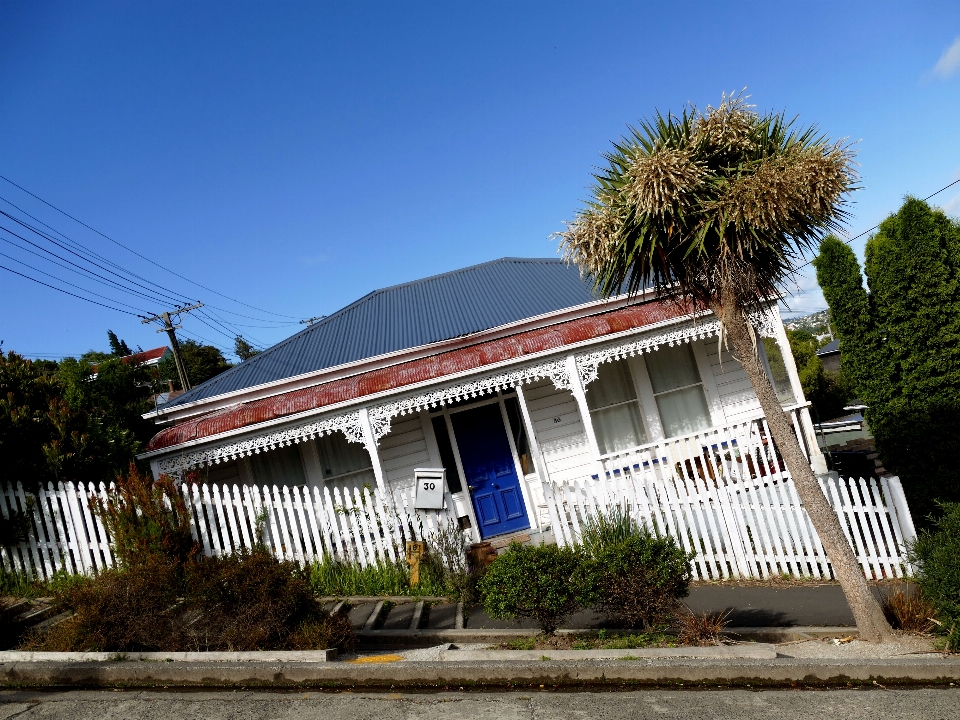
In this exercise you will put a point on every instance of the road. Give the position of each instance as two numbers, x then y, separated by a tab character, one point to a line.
929	704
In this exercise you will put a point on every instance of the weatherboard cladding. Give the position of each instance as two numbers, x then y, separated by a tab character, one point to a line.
418	313
416	371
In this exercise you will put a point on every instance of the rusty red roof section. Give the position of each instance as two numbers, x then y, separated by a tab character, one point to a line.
420	370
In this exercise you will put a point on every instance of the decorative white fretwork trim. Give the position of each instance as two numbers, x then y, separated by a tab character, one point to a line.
587	365
381	415
348	424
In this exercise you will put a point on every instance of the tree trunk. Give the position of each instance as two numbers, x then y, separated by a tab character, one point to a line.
867	613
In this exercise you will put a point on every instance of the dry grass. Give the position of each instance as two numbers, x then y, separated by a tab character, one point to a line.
701	628
909	612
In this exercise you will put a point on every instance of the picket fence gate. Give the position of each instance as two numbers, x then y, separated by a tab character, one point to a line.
294	523
744	527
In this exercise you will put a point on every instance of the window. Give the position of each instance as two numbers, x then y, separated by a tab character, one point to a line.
678	390
454	481
614	410
777	369
339	457
278	467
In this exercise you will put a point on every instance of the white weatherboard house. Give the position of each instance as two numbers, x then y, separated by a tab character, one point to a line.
511	375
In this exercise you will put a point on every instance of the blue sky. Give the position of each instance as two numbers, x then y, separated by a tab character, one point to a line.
295	156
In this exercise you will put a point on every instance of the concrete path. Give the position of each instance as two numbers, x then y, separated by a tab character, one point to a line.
527	705
806	605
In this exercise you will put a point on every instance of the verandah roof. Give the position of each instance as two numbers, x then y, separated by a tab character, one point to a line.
417	371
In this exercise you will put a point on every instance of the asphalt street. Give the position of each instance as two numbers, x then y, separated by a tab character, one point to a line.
929	704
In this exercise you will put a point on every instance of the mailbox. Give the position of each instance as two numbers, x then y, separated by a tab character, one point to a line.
431	483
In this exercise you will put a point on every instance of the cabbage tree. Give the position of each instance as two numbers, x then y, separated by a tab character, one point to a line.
715	209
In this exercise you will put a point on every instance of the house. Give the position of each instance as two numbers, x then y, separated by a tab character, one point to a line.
144	358
829	354
509	374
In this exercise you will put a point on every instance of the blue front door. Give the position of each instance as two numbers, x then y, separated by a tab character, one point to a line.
490	471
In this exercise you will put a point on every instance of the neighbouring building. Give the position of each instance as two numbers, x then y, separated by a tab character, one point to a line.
509	374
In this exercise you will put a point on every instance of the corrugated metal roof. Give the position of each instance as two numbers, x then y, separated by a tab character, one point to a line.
421	312
417	370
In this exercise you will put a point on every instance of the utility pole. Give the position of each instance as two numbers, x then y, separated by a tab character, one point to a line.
171	330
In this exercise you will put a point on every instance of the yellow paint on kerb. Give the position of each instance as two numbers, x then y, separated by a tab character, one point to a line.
376	659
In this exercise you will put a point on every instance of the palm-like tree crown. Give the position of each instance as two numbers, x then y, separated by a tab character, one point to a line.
709	204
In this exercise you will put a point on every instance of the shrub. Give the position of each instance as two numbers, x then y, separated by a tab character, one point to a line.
445	571
635	578
245	601
121	609
543	582
146	517
936	556
251	601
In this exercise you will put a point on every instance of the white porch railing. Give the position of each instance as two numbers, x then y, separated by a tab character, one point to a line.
726	496
294	523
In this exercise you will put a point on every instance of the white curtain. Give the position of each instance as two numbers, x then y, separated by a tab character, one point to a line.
683	411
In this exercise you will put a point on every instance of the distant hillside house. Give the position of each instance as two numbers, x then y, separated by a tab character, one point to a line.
146	358
509	375
829	354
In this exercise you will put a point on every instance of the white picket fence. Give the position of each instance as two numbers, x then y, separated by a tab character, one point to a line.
294	523
743	527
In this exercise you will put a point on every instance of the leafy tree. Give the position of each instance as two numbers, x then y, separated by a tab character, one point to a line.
243	349
60	423
900	343
714	209
825	390
117	346
202	362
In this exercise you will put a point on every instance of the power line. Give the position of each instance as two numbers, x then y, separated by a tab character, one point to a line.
69	284
78	269
3	267
122	269
164	294
142	257
945	187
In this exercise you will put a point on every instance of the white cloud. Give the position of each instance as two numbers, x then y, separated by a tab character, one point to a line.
949	62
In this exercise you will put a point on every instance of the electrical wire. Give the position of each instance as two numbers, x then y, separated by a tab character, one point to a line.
74	243
78	269
76	287
143	257
3	267
166	295
856	237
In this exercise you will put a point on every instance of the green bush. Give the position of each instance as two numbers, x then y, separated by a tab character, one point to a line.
936	556
634	578
543	582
